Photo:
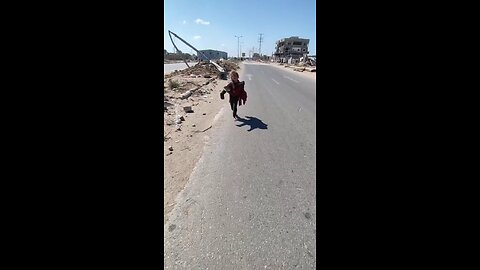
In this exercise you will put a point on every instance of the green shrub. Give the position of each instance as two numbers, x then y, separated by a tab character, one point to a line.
173	84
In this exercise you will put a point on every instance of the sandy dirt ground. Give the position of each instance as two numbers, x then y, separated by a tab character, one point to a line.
185	133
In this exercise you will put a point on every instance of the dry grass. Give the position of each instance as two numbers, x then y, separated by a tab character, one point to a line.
172	84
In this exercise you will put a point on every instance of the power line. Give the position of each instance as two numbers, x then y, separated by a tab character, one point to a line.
260	47
238	45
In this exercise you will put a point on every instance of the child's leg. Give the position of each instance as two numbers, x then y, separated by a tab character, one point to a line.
235	104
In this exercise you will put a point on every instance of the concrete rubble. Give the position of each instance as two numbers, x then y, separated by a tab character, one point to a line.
187	109
205	70
305	63
300	67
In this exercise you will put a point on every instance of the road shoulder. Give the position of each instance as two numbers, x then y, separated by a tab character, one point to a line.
289	68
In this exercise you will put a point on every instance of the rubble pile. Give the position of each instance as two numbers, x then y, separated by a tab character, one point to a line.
308	66
198	70
185	89
228	65
185	97
204	69
182	85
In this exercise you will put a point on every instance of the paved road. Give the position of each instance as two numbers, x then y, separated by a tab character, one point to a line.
179	66
250	202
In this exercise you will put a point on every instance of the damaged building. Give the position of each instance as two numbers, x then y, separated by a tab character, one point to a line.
290	49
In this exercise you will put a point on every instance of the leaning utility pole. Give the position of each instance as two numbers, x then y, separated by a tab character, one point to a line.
170	33
238	45
260	47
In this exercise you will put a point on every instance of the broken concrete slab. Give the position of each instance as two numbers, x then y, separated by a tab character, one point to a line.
187	109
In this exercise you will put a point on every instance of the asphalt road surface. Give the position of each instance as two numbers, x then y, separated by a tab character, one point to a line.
250	201
172	67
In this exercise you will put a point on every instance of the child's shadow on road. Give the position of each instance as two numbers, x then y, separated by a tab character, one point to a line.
253	122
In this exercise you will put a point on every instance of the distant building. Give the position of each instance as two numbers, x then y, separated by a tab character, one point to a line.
212	54
290	48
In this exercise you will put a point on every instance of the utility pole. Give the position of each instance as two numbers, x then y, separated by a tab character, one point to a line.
241	43
238	45
260	47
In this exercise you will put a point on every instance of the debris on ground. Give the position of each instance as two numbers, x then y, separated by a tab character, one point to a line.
300	67
186	94
305	63
183	93
187	109
205	70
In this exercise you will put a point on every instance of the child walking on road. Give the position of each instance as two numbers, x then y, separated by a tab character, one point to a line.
237	93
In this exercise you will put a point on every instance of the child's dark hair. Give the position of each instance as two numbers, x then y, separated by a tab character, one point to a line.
234	73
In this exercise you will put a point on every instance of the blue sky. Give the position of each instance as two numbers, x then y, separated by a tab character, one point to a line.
213	24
